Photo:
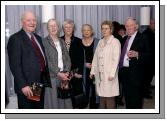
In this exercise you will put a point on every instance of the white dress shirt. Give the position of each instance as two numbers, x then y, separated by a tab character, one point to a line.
126	58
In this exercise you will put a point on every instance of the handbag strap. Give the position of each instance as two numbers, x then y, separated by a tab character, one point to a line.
84	73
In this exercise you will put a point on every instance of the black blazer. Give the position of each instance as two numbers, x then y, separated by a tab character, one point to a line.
23	61
137	65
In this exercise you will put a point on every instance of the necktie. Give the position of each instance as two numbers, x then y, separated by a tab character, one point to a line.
123	52
38	53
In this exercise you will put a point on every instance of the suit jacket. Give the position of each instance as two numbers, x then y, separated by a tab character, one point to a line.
105	61
151	40
23	61
52	56
137	65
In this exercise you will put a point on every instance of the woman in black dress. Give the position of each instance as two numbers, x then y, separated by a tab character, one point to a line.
75	49
89	45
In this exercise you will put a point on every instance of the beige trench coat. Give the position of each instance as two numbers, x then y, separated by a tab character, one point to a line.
105	65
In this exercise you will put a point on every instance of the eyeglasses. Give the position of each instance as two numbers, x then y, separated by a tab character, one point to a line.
104	29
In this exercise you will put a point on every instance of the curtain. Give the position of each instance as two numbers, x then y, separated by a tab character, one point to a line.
81	14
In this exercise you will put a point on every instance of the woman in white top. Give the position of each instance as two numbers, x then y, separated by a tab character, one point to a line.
105	67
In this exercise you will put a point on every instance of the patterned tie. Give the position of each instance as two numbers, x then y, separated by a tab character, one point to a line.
123	52
38	53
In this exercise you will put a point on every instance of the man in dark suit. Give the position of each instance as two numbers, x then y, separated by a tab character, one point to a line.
150	67
28	62
135	54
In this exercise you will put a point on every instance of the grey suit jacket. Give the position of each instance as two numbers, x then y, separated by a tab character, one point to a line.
52	56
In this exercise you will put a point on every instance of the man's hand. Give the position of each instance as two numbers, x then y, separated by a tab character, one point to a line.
132	54
27	91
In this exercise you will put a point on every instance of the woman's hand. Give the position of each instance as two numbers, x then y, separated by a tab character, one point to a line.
91	76
77	75
88	65
63	76
110	78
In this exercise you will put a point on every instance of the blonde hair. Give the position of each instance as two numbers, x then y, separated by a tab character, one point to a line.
109	23
69	21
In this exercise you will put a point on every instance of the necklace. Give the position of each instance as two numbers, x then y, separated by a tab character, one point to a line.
87	42
68	42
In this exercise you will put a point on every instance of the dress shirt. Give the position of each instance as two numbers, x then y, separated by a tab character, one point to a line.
126	58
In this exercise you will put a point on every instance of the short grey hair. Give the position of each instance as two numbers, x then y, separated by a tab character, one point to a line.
25	13
52	19
69	21
133	19
89	27
57	23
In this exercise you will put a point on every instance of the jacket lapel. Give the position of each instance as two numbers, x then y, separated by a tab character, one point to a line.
135	42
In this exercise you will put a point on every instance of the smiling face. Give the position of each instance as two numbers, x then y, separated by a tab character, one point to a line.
68	29
53	28
29	22
131	26
87	31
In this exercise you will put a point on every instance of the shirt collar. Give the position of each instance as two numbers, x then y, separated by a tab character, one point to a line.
133	35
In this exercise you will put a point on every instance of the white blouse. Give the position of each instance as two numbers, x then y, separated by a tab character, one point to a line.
59	50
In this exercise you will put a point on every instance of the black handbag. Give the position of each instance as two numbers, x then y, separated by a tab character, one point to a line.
81	101
64	91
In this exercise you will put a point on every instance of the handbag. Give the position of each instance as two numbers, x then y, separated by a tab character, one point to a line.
81	101
64	91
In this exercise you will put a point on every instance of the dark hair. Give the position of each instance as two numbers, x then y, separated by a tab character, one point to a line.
116	26
122	27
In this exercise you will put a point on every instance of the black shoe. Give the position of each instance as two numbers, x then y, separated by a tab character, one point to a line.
94	106
120	103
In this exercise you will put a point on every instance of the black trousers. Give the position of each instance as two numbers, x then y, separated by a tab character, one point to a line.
90	90
132	88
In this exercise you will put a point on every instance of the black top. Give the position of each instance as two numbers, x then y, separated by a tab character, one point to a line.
89	52
76	54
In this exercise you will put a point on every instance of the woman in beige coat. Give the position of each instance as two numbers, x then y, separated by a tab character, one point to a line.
105	67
